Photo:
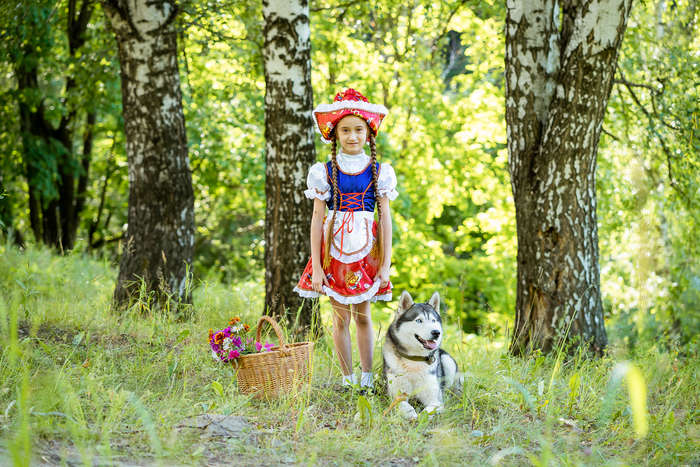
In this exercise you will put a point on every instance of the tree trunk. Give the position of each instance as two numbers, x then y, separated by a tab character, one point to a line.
160	235
48	151
289	153
558	79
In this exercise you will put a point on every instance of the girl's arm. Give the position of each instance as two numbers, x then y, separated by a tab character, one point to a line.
383	273
318	277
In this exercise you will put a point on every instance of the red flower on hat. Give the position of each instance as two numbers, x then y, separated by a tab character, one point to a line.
350	95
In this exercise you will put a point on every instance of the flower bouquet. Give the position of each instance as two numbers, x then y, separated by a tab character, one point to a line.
231	342
262	370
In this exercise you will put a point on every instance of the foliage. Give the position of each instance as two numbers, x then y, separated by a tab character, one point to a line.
35	36
85	386
438	67
648	185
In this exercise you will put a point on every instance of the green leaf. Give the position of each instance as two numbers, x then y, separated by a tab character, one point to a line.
364	408
183	335
78	339
218	388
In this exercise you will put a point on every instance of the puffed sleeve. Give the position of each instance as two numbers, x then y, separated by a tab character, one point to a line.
317	183
386	185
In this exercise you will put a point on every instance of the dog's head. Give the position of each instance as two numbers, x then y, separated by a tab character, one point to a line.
417	326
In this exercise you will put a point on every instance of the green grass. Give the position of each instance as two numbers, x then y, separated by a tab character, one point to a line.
80	384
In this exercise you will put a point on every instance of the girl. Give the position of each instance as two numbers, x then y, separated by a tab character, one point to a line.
350	252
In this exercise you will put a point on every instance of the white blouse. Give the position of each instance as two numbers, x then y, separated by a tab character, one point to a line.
352	239
317	180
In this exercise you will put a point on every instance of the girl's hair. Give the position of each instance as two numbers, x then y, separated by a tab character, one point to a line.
331	224
375	179
379	243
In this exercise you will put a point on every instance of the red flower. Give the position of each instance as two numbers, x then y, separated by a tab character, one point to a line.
219	338
350	95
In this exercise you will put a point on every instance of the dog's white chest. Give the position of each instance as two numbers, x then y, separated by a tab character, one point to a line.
410	376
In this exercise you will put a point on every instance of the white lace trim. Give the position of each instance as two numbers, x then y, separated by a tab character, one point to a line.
370	294
383	297
306	293
362	105
312	193
352	163
317	182
389	192
386	184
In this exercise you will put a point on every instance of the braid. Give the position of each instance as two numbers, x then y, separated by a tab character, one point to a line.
375	179
331	224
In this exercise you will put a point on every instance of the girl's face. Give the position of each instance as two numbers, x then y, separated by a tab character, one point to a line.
351	133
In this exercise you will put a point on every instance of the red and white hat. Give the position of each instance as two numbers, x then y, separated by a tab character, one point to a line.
348	102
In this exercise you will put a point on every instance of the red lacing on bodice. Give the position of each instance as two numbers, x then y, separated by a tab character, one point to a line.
349	203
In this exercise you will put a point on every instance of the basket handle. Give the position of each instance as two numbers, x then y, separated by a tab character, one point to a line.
275	327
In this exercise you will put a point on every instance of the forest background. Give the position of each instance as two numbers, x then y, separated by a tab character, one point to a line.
439	69
83	383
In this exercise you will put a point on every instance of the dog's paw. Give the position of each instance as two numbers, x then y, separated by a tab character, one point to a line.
433	409
407	411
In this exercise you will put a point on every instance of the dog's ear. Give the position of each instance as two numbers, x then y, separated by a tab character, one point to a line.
405	302
435	302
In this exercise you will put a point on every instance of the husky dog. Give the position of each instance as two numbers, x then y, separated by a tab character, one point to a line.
414	363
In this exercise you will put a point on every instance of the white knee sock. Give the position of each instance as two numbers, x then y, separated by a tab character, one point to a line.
349	380
366	380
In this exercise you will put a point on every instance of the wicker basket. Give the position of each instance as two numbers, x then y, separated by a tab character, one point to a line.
281	370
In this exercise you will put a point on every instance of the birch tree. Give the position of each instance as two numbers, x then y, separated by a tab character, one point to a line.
289	153
560	62
160	235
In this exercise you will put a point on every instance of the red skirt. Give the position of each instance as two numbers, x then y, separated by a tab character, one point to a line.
350	283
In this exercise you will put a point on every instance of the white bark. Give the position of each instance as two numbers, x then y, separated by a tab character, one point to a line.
555	103
160	233
289	150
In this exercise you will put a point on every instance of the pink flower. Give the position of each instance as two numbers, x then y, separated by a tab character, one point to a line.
258	346
233	354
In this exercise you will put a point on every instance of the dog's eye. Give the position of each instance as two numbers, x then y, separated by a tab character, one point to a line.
418	320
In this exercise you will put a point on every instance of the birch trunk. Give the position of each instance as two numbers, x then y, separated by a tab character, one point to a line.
289	153
560	63
160	236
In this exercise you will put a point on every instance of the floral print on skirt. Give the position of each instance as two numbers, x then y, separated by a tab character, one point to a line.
350	283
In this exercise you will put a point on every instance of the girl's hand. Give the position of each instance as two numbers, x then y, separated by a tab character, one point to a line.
383	276
318	278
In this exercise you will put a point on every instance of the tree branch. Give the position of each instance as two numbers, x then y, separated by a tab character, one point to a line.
654	92
610	134
635	85
333	7
662	141
120	19
447	25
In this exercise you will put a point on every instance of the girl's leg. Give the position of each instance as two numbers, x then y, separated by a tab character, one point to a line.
365	334
341	335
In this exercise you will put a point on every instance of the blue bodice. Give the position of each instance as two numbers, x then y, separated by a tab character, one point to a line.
356	190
